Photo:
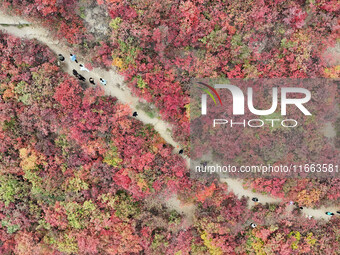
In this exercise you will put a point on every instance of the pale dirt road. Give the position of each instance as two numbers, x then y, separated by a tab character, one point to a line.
115	82
115	87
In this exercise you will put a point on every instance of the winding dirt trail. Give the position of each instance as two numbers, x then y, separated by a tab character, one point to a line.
115	82
115	87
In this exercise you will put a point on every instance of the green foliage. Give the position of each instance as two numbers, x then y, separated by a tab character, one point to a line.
123	204
24	95
128	51
11	189
23	25
174	217
40	189
10	125
42	85
272	207
76	184
40	88
198	248
62	142
148	176
80	215
158	241
151	114
115	23
215	39
82	12
11	228
68	244
297	236
213	250
240	51
287	44
310	239
140	82
36	181
111	156
255	244
146	131
236	40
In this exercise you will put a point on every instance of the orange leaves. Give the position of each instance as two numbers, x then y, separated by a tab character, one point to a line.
118	62
49	68
332	72
308	198
206	193
9	92
26	243
142	184
28	159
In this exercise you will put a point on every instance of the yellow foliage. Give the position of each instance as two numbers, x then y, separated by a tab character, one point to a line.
118	62
213	250
297	236
310	239
9	92
28	159
76	184
258	245
111	157
332	72
187	110
142	184
308	198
